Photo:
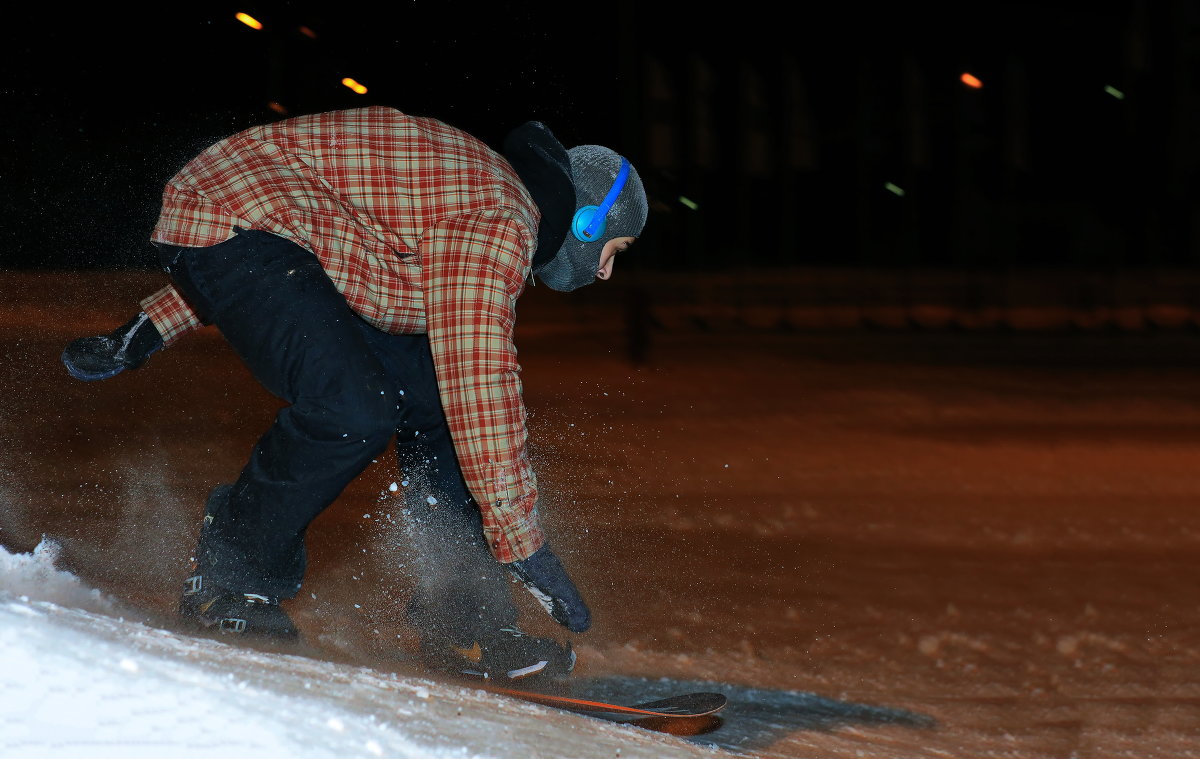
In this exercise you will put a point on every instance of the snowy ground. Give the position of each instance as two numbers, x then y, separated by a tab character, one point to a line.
81	679
878	544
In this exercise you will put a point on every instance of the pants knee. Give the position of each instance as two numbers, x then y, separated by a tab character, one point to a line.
367	414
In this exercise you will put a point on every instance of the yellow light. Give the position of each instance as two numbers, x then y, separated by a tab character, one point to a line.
249	20
971	81
361	90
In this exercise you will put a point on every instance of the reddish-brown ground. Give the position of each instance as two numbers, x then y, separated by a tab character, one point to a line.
881	543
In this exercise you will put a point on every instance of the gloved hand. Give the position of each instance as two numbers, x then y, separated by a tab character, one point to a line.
104	356
543	575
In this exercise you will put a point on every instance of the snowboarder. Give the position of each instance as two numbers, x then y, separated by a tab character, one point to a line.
365	265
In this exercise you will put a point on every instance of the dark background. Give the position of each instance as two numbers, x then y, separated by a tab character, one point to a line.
784	128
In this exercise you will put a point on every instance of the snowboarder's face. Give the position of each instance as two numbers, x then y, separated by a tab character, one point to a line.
611	249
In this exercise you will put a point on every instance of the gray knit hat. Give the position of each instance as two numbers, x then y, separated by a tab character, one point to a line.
594	170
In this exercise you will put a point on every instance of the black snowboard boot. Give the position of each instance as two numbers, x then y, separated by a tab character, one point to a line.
507	654
238	613
228	611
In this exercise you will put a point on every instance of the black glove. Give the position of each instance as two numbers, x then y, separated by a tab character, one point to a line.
543	575
128	347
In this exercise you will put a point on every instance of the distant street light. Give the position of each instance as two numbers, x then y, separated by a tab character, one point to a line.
361	90
971	81
249	21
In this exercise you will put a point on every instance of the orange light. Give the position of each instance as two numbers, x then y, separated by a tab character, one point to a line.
249	20
971	81
361	90
307	32
278	107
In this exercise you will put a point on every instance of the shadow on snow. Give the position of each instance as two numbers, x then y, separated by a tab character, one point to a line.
754	719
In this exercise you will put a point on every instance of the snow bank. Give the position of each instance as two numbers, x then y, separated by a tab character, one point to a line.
78	680
33	575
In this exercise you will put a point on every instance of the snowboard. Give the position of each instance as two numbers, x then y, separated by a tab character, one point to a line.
681	706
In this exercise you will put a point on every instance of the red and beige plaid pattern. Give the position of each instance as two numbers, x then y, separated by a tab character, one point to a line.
423	229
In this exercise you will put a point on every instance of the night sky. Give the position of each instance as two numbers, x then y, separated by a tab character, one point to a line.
102	105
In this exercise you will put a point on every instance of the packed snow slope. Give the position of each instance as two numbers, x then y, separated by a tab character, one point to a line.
83	677
82	680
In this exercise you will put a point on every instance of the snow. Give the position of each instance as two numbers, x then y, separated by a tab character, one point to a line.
83	677
925	544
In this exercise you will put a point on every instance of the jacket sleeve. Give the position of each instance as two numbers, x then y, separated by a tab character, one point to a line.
170	314
474	270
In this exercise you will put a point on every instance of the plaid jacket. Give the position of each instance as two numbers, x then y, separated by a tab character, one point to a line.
423	229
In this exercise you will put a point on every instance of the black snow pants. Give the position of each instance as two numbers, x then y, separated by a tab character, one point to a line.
349	388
